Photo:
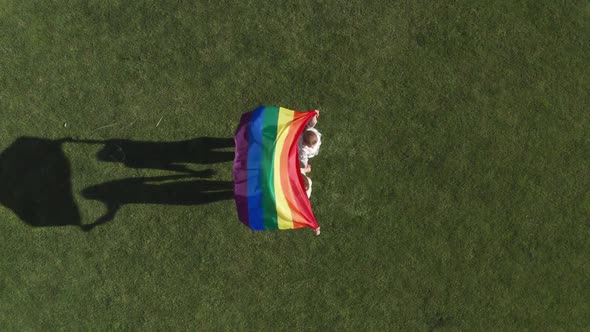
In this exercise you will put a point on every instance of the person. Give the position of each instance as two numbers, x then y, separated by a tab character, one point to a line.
309	146
310	141
307	185
306	181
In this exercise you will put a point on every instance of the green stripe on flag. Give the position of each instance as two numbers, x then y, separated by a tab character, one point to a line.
269	137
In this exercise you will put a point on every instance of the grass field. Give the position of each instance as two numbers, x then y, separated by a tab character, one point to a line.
452	186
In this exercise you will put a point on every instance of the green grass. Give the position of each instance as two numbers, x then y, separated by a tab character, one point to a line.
452	186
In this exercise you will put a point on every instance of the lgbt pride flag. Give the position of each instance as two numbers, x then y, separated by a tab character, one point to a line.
268	185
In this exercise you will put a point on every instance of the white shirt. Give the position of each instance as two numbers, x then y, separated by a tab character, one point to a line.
306	152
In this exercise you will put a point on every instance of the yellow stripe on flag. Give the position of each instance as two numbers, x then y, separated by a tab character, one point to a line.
284	216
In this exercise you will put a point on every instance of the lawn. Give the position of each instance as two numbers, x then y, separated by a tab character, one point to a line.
451	188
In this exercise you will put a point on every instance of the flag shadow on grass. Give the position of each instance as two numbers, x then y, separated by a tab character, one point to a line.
35	177
35	183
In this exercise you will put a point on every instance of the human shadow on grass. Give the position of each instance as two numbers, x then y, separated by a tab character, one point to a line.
35	177
35	183
187	188
170	156
169	190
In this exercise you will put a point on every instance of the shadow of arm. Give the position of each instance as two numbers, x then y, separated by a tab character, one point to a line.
108	216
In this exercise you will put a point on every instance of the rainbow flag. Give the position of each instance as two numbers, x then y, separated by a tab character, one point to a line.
268	185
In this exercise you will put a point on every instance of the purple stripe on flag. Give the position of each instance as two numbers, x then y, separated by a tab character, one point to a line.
241	168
